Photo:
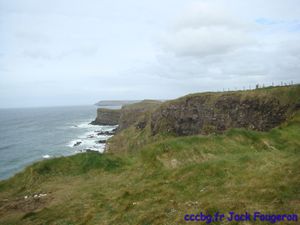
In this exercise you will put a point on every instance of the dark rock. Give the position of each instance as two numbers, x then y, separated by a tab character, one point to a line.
77	143
126	116
107	117
105	133
130	114
101	141
141	124
90	150
90	136
212	113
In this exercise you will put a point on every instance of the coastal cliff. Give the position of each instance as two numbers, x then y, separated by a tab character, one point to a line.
116	103
107	117
130	114
127	115
154	164
208	113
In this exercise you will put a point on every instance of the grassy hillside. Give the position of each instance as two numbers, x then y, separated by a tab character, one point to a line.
285	94
164	179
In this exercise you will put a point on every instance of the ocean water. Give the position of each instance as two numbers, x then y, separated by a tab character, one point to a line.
31	134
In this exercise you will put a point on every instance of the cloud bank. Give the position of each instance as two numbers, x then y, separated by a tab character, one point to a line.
62	52
208	41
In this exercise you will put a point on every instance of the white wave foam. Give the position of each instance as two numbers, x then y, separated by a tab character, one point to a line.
103	137
89	139
90	134
46	156
100	149
73	142
87	125
88	143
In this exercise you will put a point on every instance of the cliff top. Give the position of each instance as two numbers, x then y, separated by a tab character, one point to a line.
116	102
210	113
285	94
144	104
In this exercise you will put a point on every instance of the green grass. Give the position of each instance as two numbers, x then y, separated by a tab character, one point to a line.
147	103
286	94
164	179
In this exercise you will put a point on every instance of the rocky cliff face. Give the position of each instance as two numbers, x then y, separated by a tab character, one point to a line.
127	115
130	114
107	117
206	113
215	112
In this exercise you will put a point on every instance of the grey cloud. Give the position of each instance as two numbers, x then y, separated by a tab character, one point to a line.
206	41
206	30
32	37
208	14
45	54
37	54
77	50
213	45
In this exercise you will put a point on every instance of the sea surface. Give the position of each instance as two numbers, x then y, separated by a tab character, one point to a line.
31	134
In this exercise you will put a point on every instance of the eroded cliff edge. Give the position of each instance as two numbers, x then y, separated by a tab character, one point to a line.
127	115
133	113
107	117
206	113
209	113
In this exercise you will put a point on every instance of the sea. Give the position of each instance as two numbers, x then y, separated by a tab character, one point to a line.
28	135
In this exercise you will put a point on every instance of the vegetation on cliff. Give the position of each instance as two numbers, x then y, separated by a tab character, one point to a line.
210	113
132	113
127	115
157	179
116	102
107	117
204	113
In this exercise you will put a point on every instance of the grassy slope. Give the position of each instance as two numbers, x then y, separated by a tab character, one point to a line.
239	170
285	94
132	139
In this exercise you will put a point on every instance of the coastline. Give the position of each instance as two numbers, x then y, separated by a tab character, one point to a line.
32	134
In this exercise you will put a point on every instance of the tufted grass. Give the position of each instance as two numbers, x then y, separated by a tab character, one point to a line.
159	183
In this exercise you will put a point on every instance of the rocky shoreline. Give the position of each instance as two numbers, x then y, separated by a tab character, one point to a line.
93	140
98	133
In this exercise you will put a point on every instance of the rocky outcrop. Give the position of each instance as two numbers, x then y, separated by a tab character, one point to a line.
130	114
216	112
107	117
127	115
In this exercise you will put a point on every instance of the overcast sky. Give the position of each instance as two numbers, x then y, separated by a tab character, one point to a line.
68	52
